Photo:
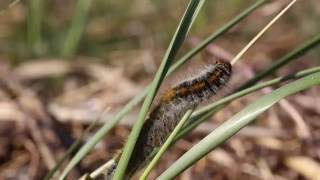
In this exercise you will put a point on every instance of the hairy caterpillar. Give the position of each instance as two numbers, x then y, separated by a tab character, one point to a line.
172	106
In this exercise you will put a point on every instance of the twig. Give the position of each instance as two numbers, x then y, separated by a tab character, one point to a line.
240	54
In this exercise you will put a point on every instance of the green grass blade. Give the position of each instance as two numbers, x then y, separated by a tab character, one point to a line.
76	29
109	124
293	55
206	112
196	12
236	123
35	14
174	46
165	146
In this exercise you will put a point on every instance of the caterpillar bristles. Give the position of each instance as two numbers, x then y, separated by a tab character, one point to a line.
173	104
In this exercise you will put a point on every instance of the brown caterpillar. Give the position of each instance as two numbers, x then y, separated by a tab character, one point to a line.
174	103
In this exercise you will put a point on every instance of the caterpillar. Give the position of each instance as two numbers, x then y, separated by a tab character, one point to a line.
174	103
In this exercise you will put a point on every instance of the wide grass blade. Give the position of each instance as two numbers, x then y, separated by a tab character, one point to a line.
110	123
236	123
76	29
174	46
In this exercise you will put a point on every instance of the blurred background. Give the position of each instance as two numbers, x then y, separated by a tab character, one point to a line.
61	70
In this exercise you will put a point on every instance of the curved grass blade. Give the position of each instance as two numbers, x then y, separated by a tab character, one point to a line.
76	29
174	46
110	123
236	123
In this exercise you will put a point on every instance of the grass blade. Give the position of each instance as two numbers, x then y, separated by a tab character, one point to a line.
174	46
35	14
236	123
76	29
